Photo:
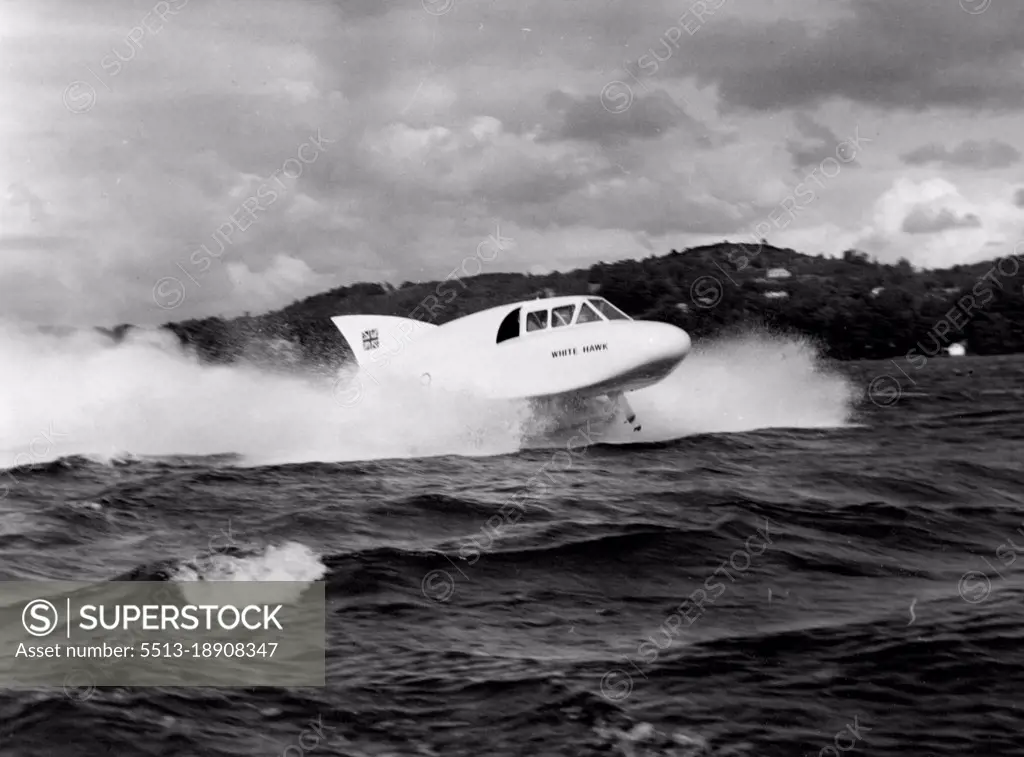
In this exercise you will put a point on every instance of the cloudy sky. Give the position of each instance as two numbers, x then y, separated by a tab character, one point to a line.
164	160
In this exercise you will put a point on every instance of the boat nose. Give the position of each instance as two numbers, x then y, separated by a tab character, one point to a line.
667	342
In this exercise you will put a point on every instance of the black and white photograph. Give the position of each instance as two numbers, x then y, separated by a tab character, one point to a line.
478	378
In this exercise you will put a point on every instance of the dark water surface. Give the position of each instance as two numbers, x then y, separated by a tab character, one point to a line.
844	589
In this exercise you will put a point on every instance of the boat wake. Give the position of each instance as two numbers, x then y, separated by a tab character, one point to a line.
753	381
79	394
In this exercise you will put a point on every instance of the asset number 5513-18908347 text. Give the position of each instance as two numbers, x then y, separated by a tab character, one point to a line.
176	649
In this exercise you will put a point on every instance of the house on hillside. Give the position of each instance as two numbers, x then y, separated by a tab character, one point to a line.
778	273
877	291
776	295
943	293
957	349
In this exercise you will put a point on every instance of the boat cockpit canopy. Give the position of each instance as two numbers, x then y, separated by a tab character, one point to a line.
540	318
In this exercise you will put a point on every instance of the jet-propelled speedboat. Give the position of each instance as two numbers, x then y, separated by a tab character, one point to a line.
553	349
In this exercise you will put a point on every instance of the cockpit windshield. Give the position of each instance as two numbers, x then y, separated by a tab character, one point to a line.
537	320
590	310
562	316
608	310
587	314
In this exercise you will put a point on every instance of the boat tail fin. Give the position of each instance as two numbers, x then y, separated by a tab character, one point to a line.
374	338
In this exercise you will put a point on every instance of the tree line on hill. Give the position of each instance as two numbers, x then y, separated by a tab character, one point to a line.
853	307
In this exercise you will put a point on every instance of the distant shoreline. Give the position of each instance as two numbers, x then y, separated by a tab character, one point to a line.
855	308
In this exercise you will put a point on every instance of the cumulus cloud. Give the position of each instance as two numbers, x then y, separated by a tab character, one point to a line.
437	128
923	220
819	142
873	52
934	224
991	154
587	118
478	159
284	280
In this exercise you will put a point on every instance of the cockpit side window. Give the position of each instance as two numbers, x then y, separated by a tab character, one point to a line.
587	314
608	310
562	316
509	328
537	320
